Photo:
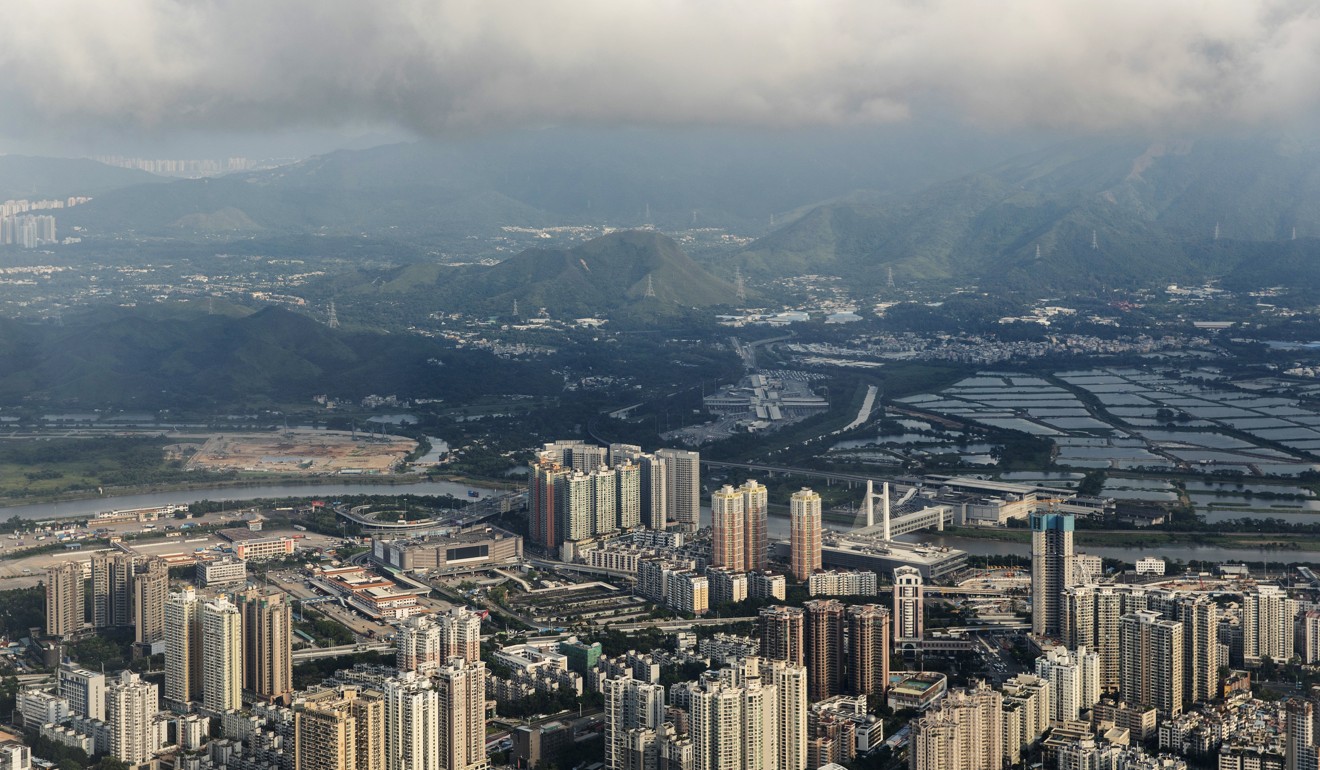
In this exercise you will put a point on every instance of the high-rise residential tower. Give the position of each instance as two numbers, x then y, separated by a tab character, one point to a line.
64	599
151	587
183	647
461	695
783	634
340	729
824	648
805	533
909	606
756	509
728	529
868	649
130	706
222	656
112	589
1151	662
267	622
683	486
1051	570
412	723
629	705
1268	616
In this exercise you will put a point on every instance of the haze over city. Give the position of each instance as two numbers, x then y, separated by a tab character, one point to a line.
660	385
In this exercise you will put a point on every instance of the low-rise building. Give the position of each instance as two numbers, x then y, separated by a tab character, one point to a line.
840	583
224	571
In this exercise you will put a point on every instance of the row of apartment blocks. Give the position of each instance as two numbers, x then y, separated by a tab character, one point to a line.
579	492
677	584
125	591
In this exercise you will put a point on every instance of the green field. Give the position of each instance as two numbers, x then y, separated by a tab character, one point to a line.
40	468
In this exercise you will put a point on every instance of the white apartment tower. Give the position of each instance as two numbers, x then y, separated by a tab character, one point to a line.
1074	679
965	732
1151	662
629	705
682	486
909	610
412	723
130	705
1267	625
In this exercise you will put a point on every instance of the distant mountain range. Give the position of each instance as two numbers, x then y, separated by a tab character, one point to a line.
1112	214
636	273
181	356
623	178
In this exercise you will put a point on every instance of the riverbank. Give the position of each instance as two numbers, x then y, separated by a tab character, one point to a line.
109	494
1284	541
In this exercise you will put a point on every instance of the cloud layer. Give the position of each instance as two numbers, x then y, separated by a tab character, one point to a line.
437	66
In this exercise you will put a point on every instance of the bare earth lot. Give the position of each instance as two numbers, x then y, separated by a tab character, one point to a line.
302	452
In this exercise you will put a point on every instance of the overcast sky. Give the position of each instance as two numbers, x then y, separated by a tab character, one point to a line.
79	74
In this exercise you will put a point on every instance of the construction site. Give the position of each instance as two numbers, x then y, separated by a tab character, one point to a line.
300	452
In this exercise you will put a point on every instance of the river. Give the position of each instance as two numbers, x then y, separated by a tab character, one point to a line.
93	506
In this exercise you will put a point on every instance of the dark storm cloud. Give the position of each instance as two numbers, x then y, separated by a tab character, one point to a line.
441	65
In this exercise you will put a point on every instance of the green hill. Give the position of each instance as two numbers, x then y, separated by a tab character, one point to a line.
608	276
1114	214
23	176
156	357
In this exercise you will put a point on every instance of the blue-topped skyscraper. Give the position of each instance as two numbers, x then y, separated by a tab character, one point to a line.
1051	570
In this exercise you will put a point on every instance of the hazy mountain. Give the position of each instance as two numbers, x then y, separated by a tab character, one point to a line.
1116	213
623	178
34	178
179	356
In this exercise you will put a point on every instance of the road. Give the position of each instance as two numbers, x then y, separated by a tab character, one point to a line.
678	625
317	653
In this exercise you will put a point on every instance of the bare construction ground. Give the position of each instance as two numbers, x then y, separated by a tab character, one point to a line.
307	452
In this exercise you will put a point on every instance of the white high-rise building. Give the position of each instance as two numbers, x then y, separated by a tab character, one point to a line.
965	732
1151	662
1267	625
790	683
412	723
909	607
1074	679
130	705
1201	659
183	647
630	704
427	642
83	689
461	689
683	486
735	721
222	656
